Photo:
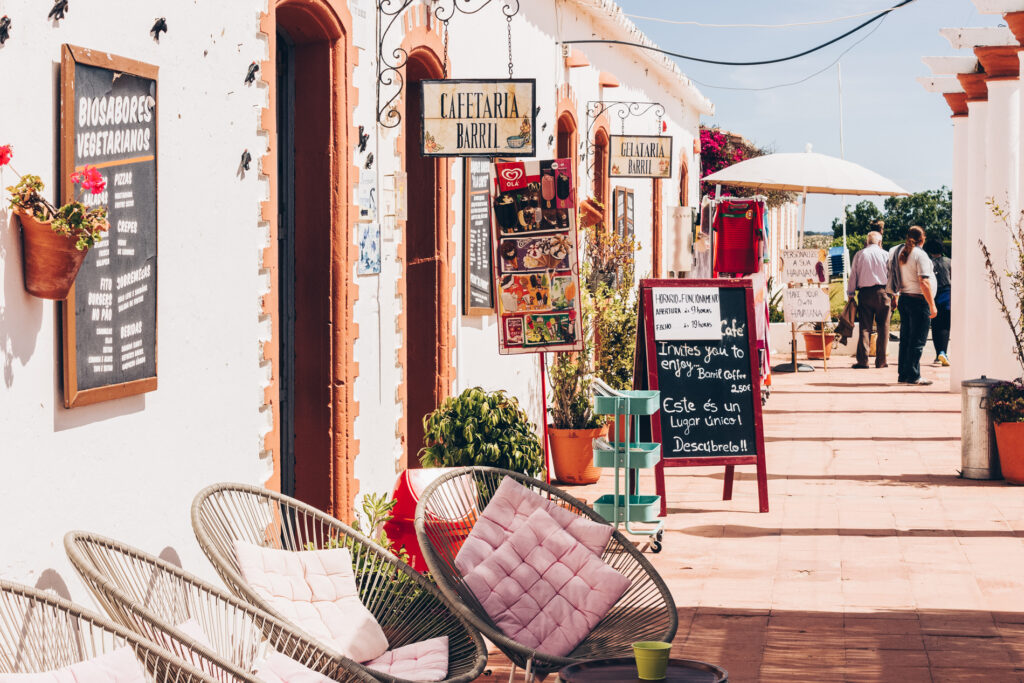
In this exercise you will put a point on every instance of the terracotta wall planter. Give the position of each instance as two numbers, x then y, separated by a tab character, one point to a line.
812	343
572	454
590	214
51	261
1010	443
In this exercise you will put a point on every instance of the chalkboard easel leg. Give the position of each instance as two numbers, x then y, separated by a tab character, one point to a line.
762	484
730	471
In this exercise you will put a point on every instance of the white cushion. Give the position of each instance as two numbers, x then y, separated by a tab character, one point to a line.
279	668
315	590
426	660
116	666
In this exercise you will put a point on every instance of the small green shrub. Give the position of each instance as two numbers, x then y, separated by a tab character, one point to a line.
1006	402
478	427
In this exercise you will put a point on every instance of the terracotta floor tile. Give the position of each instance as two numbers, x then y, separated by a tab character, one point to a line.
876	562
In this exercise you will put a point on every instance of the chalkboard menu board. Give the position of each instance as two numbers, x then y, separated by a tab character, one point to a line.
696	346
477	274
109	121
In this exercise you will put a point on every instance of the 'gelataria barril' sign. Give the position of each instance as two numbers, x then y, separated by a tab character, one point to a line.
640	156
478	118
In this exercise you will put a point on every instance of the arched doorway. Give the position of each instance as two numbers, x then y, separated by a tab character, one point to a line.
313	283
428	313
566	140
601	141
684	184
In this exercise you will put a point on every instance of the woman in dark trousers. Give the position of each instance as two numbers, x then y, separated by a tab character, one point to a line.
912	280
940	323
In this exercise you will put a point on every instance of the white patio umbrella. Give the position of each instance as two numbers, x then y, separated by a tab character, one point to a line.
807	172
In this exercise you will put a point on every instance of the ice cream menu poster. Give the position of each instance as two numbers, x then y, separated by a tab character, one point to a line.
535	256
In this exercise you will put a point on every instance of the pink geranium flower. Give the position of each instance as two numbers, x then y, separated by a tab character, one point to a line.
5	155
90	179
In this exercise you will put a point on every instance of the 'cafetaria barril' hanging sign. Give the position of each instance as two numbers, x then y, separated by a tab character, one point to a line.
479	118
640	156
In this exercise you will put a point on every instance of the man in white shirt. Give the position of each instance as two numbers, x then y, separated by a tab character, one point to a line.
868	277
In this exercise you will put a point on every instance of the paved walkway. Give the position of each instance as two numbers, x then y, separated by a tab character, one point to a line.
876	562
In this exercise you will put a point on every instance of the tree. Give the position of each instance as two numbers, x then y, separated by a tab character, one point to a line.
931	209
860	219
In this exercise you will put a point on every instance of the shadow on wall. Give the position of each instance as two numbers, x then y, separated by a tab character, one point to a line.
50	580
21	314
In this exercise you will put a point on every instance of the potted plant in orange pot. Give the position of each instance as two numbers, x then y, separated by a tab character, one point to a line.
1006	408
819	340
574	426
55	240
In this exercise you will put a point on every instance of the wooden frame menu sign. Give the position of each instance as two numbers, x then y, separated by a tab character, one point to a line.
109	121
478	117
477	269
696	345
640	156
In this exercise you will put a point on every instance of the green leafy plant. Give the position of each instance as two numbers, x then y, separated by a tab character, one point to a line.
1006	402
480	427
610	299
776	314
73	220
571	402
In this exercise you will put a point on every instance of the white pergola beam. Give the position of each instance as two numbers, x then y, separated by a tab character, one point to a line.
940	84
942	66
969	38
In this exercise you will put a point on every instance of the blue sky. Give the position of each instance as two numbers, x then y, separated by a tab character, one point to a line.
891	124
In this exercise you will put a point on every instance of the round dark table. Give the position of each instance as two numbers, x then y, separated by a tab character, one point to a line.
623	670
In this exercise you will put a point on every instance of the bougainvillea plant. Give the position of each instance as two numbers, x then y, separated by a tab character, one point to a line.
718	150
73	220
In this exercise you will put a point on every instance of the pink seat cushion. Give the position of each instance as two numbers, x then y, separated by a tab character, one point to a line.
543	588
116	666
315	590
510	505
423	661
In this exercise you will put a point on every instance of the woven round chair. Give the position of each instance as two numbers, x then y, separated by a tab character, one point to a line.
408	607
154	598
41	632
446	513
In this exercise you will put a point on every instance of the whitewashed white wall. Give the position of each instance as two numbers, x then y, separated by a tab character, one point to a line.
129	468
477	49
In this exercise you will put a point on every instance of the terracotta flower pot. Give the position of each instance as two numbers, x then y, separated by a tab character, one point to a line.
812	343
572	453
590	214
1010	443
51	260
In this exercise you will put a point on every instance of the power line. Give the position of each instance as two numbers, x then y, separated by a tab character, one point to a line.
802	80
655	48
791	25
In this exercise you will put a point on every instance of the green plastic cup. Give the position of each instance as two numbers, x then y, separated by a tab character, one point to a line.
651	659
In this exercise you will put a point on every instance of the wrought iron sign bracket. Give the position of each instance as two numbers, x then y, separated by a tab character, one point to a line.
390	79
624	110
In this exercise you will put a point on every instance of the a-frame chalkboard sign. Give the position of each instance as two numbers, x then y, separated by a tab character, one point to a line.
696	344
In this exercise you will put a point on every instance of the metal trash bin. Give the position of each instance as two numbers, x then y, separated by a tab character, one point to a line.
978	455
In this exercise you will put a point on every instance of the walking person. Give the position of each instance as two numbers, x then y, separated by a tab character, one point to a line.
940	323
912	280
869	276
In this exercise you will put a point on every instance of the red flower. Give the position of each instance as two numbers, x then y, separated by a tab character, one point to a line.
5	154
90	179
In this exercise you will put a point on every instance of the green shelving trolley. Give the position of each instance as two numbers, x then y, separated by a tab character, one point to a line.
626	455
